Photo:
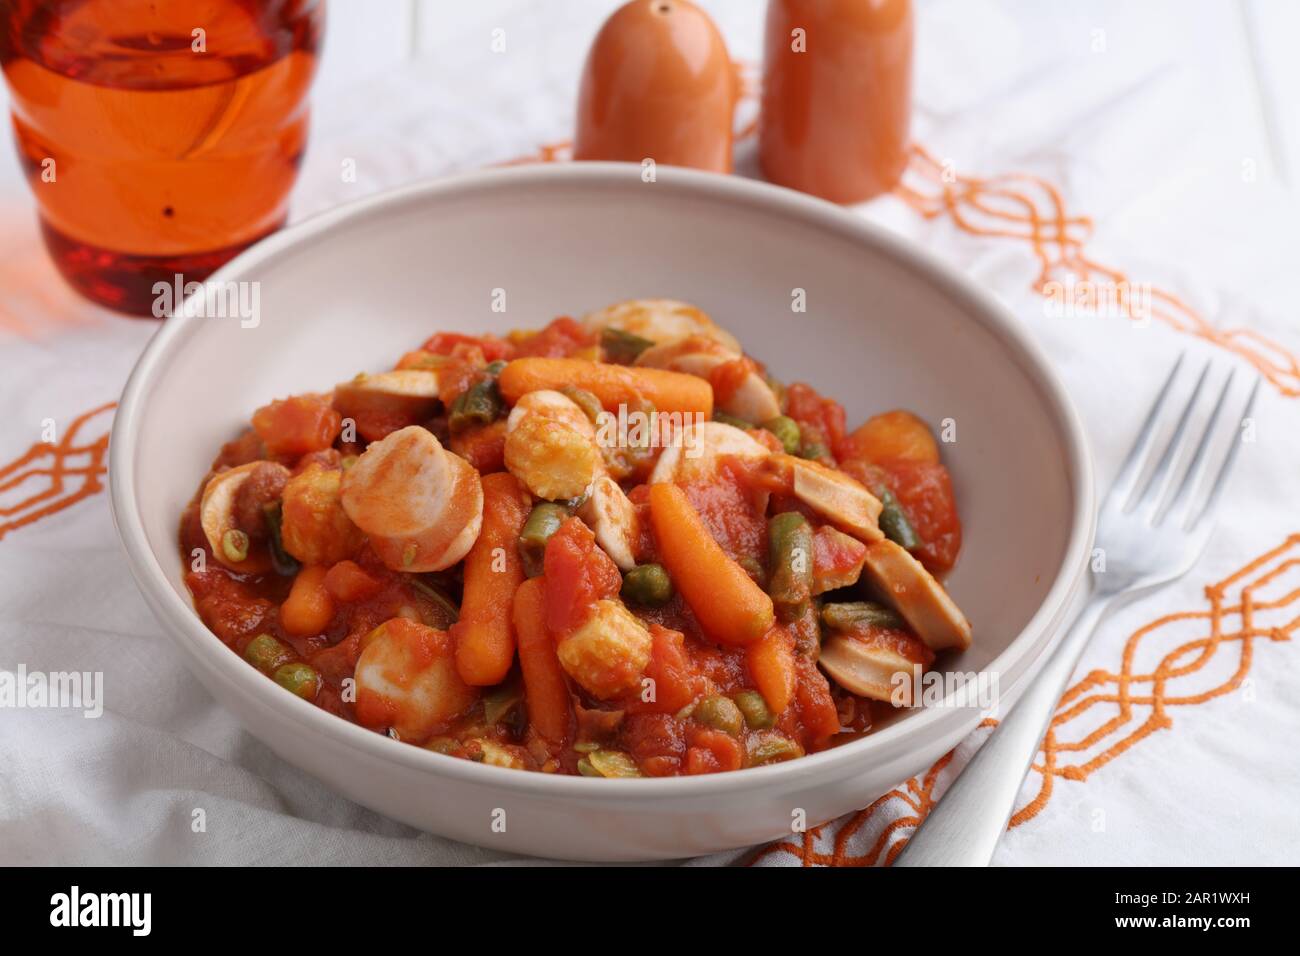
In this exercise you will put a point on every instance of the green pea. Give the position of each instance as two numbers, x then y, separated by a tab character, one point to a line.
622	347
234	545
814	451
787	430
754	708
543	521
720	713
300	679
648	585
266	653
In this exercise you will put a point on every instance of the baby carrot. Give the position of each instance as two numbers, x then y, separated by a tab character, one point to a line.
309	607
613	385
546	694
730	607
484	636
771	663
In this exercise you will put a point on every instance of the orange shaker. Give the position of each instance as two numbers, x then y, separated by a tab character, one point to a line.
837	91
658	84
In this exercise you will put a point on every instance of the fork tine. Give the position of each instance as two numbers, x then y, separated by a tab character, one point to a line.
1137	455
1154	490
1221	479
1196	467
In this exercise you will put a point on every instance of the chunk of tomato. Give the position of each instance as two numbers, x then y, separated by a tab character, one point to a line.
820	419
677	681
296	426
578	574
447	343
655	742
817	711
560	339
712	751
924	490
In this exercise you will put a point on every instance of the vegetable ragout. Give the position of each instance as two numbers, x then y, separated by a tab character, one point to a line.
616	547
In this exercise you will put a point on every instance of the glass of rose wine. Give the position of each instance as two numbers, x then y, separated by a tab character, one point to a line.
160	137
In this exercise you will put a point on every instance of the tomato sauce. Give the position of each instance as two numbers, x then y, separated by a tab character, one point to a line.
633	674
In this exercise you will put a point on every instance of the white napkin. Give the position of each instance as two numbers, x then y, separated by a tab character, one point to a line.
1110	103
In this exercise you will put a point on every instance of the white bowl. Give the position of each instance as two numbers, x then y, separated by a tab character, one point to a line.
886	326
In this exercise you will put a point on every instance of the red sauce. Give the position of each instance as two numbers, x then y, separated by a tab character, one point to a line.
662	731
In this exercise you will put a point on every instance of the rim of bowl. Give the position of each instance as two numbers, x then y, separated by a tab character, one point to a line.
206	649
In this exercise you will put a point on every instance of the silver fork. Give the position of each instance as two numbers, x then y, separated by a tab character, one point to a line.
1150	533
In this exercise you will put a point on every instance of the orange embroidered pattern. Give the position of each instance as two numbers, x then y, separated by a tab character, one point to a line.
1177	660
1030	209
62	473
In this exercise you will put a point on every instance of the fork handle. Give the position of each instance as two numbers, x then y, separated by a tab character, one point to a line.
965	826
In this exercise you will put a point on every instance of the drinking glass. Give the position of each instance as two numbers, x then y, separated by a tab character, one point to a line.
160	137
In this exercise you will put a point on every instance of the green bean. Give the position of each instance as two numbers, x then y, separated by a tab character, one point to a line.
450	613
500	701
754	568
300	679
608	763
893	521
234	545
771	748
786	429
266	653
806	629
543	521
571	505
480	404
790	563
648	585
622	347
281	560
724	419
588	402
720	713
846	616
754	708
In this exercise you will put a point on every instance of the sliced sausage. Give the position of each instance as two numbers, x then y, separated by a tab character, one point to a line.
421	506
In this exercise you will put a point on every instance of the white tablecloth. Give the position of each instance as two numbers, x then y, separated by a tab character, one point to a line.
1129	111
